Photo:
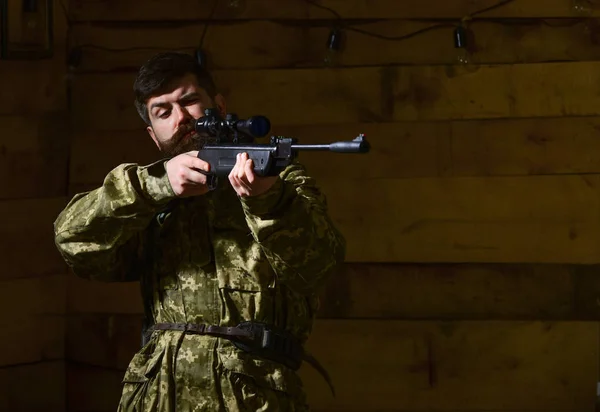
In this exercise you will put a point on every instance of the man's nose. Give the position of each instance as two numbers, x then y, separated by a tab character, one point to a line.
183	116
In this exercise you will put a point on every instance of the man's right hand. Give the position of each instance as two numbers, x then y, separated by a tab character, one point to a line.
184	176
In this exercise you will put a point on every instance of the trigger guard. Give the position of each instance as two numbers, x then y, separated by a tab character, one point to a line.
212	181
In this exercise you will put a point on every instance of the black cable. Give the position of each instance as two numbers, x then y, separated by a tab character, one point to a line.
408	35
210	17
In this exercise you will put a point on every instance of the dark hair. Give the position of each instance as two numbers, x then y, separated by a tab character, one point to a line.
158	73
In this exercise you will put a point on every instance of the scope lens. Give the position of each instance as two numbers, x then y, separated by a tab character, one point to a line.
258	125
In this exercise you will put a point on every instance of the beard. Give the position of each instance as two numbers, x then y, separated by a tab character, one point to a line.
185	139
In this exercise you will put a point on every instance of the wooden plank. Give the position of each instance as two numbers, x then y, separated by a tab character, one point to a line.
123	10
33	388
547	219
460	291
374	94
88	296
524	147
419	365
533	219
454	366
269	44
107	341
27	238
563	145
92	389
412	292
44	80
43	313
33	153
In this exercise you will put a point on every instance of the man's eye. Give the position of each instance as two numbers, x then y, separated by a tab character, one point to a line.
164	115
191	101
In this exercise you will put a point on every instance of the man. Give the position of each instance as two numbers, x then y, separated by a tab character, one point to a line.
254	249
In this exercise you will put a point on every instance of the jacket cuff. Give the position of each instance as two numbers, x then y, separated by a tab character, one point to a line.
155	182
266	203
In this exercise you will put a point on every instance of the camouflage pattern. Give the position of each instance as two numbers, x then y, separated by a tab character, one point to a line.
216	259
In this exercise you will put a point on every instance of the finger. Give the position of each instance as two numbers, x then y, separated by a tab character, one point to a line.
233	174
194	177
197	163
241	169
237	177
193	153
249	171
241	172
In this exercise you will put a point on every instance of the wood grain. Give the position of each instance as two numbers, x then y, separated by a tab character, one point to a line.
547	219
34	152
370	95
47	380
454	365
91	388
420	365
472	148
273	44
43	313
533	219
154	10
411	292
34	88
27	238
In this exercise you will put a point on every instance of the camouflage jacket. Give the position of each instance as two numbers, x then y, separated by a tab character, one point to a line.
216	259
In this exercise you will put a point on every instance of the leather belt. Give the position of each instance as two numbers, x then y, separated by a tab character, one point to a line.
258	338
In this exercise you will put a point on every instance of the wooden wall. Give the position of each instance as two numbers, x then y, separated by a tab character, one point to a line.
34	148
472	280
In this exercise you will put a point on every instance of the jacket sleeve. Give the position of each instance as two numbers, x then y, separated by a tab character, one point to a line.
99	233
292	224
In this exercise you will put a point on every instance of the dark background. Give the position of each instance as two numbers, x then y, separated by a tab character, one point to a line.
473	226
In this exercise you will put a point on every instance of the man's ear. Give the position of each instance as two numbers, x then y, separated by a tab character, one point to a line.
150	131
221	104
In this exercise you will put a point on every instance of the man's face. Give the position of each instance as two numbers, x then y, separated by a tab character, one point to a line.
173	114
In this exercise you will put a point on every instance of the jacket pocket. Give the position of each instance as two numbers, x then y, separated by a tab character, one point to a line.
144	365
264	372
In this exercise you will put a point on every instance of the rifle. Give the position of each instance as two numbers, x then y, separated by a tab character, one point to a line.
231	135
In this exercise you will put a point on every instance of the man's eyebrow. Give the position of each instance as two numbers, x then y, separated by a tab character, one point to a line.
189	95
184	97
159	104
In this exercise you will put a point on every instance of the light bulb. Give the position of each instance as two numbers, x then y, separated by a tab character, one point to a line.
238	6
463	56
581	7
334	47
461	45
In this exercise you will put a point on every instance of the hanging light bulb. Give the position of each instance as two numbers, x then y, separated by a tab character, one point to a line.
581	7
334	47
462	45
237	6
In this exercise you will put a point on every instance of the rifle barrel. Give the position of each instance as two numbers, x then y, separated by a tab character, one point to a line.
340	147
311	147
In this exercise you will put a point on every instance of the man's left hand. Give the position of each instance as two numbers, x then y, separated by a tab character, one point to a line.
245	182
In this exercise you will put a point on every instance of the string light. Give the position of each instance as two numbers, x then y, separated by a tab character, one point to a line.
461	43
334	48
462	35
582	7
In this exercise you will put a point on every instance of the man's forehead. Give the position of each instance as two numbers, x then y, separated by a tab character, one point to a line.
177	88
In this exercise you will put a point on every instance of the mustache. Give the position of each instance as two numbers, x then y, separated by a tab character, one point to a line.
184	129
196	139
